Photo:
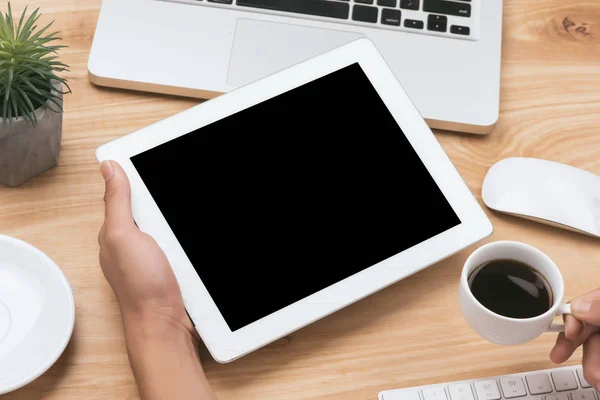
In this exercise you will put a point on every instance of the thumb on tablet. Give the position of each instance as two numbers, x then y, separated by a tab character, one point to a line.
117	196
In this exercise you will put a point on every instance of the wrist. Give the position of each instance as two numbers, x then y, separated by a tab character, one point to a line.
164	357
153	324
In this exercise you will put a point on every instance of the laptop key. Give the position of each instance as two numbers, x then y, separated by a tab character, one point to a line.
447	7
487	390
386	3
409	4
512	387
437	23
538	383
583	394
434	393
584	383
323	8
413	23
460	30
563	380
221	1
364	13
364	1
390	17
460	391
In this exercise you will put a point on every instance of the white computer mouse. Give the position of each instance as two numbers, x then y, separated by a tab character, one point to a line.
545	191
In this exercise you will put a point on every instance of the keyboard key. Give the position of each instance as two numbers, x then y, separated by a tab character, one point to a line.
324	8
221	1
447	7
583	394
409	4
401	395
434	393
364	1
584	383
512	387
413	23
460	30
386	3
539	383
390	17
558	396
564	380
364	13
460	391
487	390
437	23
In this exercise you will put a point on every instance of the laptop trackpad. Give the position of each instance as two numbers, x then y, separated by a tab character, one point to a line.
261	48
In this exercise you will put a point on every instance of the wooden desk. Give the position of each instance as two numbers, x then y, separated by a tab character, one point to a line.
409	334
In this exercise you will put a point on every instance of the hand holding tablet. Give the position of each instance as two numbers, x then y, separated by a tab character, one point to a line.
292	197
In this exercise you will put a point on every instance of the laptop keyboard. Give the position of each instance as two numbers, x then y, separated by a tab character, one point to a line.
448	18
563	383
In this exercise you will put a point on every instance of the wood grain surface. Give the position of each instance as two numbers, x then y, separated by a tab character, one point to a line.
411	333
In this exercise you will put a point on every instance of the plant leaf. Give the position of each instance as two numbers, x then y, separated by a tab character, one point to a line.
21	22
3	26
41	32
28	83
13	101
9	117
54	100
31	69
8	83
50	98
23	109
11	22
27	28
28	103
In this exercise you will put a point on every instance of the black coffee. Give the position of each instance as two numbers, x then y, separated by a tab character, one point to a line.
511	288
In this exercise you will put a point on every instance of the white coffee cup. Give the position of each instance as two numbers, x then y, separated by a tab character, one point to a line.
504	330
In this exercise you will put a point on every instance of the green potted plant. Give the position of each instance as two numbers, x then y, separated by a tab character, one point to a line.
31	97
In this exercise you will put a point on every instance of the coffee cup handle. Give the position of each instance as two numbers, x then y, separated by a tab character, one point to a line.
561	310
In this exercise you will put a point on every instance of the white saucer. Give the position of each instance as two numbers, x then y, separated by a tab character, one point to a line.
37	313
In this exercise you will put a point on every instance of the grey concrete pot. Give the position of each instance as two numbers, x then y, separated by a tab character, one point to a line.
27	151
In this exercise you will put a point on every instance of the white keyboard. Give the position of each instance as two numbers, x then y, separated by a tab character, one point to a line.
565	383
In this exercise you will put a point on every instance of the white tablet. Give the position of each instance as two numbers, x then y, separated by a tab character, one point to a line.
292	197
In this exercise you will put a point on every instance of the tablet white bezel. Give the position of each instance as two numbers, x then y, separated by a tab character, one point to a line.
225	345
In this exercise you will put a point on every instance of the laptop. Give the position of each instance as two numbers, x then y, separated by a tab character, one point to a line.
446	54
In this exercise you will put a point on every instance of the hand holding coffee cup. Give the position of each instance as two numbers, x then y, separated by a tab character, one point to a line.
510	293
582	329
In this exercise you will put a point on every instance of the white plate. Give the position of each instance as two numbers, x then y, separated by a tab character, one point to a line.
37	313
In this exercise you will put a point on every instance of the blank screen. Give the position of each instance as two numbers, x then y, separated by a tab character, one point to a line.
294	194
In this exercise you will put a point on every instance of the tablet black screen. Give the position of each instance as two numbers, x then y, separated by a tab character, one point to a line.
294	194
